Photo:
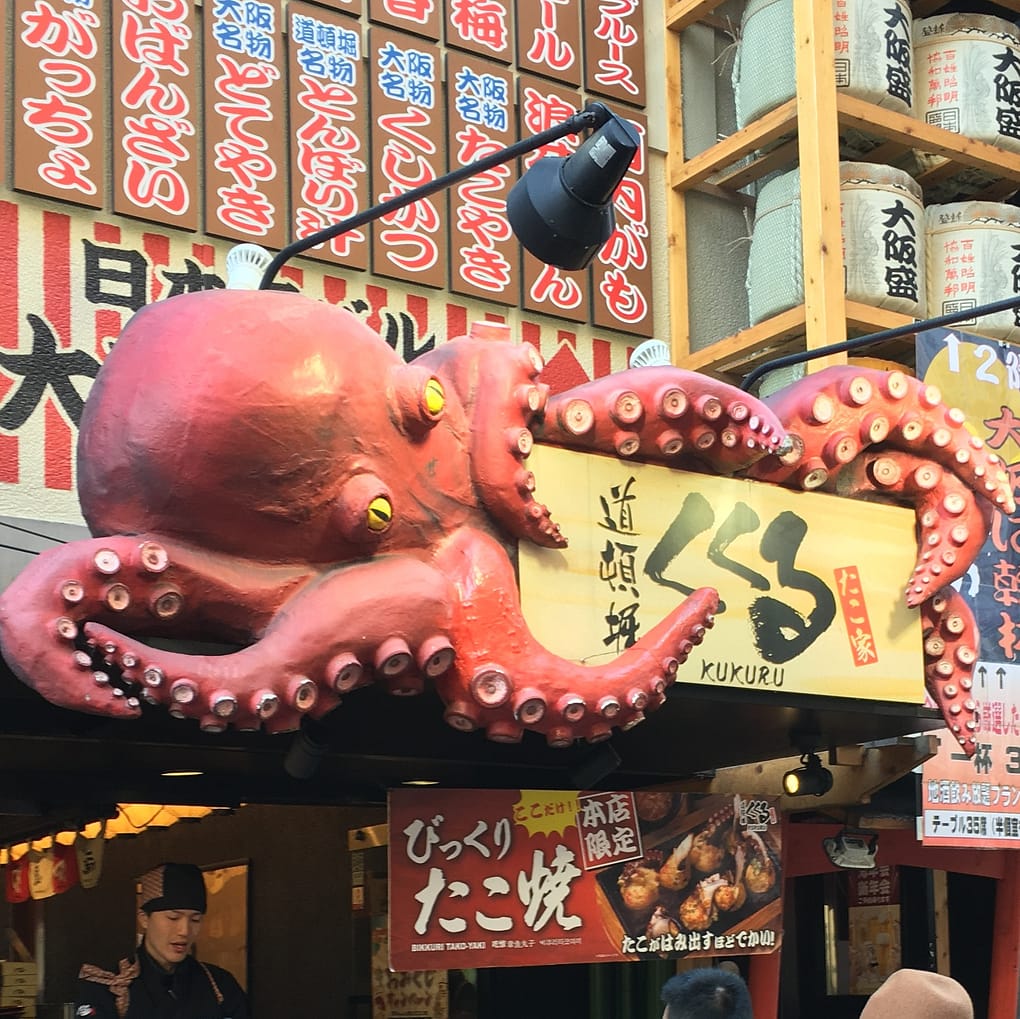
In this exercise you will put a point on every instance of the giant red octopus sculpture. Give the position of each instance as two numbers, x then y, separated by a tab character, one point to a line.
262	470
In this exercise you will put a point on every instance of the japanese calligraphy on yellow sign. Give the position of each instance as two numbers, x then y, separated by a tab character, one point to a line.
811	584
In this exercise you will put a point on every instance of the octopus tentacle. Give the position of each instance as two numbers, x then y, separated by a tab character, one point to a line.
138	584
489	687
321	645
951	523
664	415
859	430
950	651
488	373
835	414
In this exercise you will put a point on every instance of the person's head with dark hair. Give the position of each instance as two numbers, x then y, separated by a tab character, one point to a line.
172	904
707	993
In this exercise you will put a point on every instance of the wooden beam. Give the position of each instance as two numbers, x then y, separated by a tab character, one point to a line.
999	191
759	163
767	128
866	318
940	917
1005	975
851	784
677	251
820	206
803	854
684	13
916	134
737	352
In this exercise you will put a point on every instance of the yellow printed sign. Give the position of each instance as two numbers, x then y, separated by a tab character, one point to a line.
811	584
545	813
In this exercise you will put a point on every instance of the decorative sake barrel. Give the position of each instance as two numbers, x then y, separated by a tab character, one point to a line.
973	256
873	55
968	76
882	228
883	237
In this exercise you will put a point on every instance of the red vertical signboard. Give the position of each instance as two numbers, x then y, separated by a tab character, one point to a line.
418	16
407	152
548	289
532	878
622	270
329	130
485	27
59	94
484	252
244	115
155	66
549	39
352	7
615	49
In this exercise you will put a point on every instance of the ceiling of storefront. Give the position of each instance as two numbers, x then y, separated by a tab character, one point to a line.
55	762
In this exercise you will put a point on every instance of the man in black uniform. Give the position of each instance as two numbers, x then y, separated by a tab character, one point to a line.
164	981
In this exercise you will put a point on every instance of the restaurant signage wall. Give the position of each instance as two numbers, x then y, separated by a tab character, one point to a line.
532	878
976	801
312	112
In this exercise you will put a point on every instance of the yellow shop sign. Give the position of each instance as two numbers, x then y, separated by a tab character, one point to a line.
811	584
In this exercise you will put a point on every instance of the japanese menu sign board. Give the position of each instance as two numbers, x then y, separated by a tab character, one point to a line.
975	801
311	113
412	995
329	141
58	84
548	288
485	28
480	118
873	901
615	64
244	115
549	40
408	152
799	613
536	877
155	112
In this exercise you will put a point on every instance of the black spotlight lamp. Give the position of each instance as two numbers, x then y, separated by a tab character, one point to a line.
561	209
306	752
812	778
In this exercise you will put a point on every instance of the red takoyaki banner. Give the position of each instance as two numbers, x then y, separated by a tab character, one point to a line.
537	877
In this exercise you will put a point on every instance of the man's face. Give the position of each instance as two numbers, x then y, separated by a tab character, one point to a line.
170	933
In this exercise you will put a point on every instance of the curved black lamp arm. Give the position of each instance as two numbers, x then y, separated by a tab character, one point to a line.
1006	304
594	115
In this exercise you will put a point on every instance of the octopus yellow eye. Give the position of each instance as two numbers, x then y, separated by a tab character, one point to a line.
380	514
435	398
